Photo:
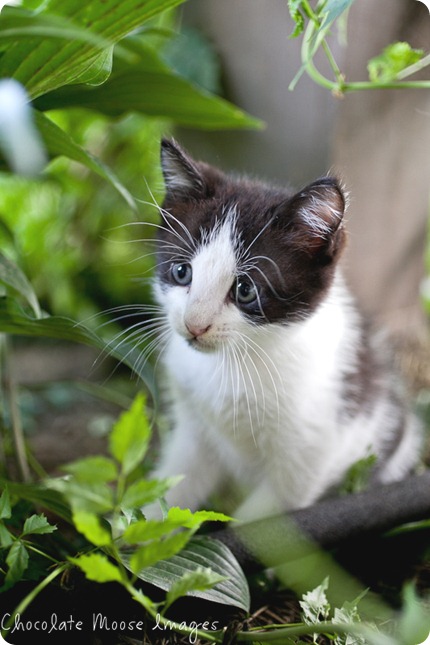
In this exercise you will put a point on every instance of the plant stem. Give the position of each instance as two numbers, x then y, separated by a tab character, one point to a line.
31	596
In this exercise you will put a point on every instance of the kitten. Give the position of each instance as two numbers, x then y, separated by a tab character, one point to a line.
274	379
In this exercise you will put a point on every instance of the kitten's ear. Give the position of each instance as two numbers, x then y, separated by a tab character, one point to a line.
318	213
182	177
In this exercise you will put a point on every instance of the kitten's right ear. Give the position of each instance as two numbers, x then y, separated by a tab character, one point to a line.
182	177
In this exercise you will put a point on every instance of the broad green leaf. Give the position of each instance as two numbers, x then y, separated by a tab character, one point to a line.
5	509
89	525
393	60
145	492
12	276
97	567
17	561
129	439
15	321
153	552
92	470
159	93
45	64
59	143
199	580
203	552
37	524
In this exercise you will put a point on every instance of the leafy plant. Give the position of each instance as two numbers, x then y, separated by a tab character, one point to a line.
386	71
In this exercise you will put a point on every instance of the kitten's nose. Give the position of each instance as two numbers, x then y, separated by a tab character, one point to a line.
196	331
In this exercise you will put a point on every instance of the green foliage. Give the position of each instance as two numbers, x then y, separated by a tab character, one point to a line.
314	22
97	74
394	59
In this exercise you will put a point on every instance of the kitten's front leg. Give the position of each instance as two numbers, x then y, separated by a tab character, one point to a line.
185	453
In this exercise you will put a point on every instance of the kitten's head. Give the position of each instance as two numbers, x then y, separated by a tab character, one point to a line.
235	254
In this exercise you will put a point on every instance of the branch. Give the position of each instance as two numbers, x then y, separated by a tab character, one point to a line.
329	523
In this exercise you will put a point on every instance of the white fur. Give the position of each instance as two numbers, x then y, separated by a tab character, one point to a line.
260	404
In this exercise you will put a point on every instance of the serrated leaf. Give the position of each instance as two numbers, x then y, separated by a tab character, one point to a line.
129	439
17	561
145	492
153	552
5	509
59	143
37	524
314	604
184	517
12	276
203	552
294	7
90	526
147	530
93	470
199	580
97	567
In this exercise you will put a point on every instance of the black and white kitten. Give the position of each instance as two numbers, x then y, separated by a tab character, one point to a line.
274	380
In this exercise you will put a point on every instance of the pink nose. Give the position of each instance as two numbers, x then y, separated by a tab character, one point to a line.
196	331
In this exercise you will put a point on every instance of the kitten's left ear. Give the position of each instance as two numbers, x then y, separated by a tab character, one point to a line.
182	176
318	212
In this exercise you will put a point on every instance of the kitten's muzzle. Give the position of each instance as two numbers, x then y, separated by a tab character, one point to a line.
196	331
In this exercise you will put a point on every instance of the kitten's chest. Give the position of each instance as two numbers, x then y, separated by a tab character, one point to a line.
238	396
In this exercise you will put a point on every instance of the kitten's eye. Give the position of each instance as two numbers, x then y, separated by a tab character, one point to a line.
244	291
182	273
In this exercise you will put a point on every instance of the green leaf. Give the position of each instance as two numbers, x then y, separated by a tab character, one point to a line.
145	492
199	580
93	470
12	276
15	321
37	524
89	525
5	509
6	537
296	14
184	517
147	530
43	64
393	60
203	552
17	561
91	498
153	552
97	567
332	10
129	439
59	143
160	94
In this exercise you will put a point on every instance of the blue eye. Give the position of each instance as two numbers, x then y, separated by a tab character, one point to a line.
244	291
182	273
